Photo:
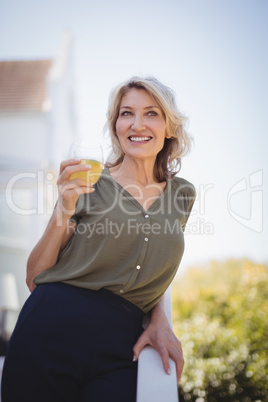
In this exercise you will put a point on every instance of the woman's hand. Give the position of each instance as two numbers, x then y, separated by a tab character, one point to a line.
160	335
69	190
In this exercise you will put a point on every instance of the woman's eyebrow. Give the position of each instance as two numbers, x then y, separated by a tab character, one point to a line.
147	107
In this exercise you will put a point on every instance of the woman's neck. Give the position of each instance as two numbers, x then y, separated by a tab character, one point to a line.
136	171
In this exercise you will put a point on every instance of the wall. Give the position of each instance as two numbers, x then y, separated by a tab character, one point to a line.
23	137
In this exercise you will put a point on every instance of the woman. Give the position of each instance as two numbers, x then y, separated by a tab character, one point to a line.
106	259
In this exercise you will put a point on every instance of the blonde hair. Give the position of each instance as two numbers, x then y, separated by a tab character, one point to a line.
178	142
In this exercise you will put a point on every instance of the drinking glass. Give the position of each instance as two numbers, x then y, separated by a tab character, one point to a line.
88	155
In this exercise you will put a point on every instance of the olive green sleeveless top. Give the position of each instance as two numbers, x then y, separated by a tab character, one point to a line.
119	246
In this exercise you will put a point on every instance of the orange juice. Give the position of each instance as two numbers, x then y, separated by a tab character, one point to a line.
92	175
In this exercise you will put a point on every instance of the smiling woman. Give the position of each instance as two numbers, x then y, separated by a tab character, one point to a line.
141	126
159	103
106	259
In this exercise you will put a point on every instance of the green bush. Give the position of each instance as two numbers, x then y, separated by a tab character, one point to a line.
220	316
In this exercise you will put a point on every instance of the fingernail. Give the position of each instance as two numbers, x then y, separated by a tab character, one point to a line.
168	371
134	358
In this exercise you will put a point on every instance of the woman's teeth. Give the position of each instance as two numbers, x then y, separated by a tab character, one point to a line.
139	139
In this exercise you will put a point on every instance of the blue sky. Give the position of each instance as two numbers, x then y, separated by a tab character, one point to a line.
213	54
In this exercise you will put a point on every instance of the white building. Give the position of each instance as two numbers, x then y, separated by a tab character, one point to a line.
37	124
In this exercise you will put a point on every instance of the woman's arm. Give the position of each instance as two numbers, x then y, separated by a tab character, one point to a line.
160	335
60	229
45	254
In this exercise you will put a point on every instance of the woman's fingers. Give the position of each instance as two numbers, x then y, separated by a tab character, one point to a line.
167	345
73	184
141	342
164	354
67	170
68	162
177	356
70	190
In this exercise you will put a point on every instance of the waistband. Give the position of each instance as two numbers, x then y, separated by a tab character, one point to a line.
111	297
103	295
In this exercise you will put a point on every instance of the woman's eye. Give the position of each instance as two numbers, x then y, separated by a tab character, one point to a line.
152	113
126	113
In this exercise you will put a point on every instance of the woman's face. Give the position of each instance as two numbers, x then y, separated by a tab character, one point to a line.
141	125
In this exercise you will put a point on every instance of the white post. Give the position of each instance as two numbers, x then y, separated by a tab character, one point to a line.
153	384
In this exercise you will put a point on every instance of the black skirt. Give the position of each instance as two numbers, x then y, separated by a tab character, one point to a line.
72	345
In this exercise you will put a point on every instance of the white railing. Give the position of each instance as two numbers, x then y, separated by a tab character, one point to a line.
1	368
153	383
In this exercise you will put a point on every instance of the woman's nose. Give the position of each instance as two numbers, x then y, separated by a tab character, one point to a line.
138	124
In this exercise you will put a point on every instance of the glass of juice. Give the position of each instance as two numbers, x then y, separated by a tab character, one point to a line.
88	155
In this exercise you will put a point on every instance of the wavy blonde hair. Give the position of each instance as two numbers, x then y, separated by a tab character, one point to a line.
178	142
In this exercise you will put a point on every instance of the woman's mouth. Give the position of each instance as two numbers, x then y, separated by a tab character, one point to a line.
139	139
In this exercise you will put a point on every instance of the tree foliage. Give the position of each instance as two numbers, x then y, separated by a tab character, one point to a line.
220	316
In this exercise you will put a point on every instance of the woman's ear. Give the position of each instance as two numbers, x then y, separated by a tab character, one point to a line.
166	135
